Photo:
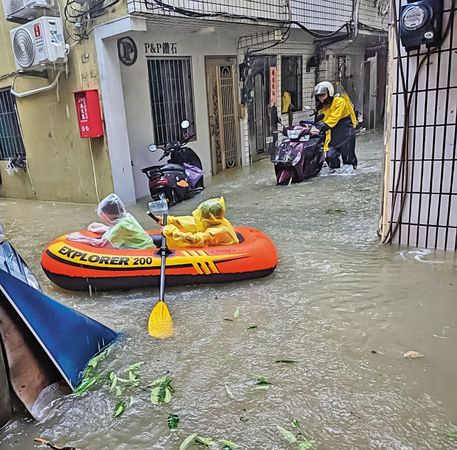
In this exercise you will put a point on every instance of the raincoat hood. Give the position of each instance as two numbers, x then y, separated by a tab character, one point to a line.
210	213
111	209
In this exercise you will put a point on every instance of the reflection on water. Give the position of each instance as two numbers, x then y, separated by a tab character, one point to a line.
342	307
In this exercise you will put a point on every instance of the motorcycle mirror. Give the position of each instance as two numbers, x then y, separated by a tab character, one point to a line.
185	124
152	147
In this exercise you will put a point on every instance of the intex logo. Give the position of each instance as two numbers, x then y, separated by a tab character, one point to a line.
37	30
222	250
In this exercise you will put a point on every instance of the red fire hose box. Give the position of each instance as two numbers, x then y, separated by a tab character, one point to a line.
89	114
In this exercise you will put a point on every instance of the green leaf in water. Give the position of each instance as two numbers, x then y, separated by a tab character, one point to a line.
452	434
172	421
252	327
229	392
93	362
262	381
236	313
113	378
119	408
87	384
244	419
334	211
160	395
188	441
119	391
228	445
306	445
286	361
135	366
206	442
296	423
122	380
287	434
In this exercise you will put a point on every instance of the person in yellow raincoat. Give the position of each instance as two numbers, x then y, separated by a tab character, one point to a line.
207	226
339	124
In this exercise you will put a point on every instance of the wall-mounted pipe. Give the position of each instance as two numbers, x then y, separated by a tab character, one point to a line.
38	90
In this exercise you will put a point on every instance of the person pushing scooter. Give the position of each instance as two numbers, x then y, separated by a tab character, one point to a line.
339	125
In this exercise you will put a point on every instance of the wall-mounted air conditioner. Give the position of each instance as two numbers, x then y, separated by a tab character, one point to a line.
39	44
23	10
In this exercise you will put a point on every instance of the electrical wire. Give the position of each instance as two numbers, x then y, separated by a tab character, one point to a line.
194	14
82	18
403	174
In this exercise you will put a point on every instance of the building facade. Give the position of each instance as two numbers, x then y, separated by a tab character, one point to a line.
230	67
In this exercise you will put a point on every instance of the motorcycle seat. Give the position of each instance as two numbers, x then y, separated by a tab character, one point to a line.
171	166
167	166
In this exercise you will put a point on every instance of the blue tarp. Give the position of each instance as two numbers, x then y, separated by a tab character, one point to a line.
69	338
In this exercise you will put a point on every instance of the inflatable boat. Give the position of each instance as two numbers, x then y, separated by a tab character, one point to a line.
78	266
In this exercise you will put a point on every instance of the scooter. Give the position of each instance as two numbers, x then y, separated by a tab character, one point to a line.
181	177
300	156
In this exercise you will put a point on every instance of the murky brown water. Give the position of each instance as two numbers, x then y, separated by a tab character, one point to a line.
340	305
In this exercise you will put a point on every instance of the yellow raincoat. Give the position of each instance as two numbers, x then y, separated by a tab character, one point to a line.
340	108
286	102
207	226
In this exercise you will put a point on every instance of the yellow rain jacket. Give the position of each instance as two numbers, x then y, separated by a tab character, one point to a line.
286	102
207	226
340	108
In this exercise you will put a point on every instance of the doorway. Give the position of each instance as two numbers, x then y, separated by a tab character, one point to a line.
224	124
261	117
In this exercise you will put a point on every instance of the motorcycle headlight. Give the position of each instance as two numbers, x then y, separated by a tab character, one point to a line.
293	134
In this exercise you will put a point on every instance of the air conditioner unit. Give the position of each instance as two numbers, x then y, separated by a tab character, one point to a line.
38	44
23	10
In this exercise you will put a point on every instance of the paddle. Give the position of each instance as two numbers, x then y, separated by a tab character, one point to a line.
160	324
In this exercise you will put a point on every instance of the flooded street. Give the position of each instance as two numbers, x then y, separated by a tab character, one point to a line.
340	306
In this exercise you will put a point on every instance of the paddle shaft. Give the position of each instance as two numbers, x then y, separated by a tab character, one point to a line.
163	254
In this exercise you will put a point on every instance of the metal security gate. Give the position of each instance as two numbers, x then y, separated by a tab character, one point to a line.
11	144
260	121
170	85
223	113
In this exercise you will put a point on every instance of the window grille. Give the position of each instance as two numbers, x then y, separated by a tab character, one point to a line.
170	84
291	80
11	144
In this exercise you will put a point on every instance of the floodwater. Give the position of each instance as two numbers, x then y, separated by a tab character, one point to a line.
341	306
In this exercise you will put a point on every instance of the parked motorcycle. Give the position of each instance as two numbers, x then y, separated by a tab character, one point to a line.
300	155
181	177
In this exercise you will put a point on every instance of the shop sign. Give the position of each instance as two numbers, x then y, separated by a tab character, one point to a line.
160	48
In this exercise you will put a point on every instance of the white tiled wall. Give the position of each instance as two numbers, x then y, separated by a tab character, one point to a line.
318	15
429	217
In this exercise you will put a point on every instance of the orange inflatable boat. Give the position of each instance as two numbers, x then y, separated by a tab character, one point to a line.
77	266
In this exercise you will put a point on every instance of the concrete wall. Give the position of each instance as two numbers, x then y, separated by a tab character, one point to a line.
420	183
61	165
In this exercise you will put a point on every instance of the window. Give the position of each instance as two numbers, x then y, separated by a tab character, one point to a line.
11	144
170	84
291	83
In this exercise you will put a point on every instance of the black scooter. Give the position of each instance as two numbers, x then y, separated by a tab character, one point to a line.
181	177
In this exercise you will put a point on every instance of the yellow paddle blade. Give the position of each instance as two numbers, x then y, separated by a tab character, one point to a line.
160	324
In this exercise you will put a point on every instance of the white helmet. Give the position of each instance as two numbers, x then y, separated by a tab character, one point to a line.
324	87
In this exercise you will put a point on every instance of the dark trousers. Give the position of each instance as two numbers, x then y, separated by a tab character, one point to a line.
346	151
